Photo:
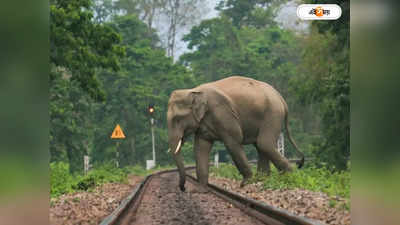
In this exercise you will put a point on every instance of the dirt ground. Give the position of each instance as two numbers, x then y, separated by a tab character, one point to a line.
83	208
314	205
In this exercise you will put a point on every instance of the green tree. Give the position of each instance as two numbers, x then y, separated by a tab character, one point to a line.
258	13
71	124
324	79
146	76
80	45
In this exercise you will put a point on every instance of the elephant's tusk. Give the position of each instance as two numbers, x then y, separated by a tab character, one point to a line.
168	150
179	146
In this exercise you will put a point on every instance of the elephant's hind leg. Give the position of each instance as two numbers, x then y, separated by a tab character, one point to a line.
267	146
263	164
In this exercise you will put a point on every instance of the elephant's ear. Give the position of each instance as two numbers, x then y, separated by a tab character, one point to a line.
199	105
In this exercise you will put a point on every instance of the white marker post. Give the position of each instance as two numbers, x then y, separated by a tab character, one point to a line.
281	144
86	164
117	155
149	164
216	159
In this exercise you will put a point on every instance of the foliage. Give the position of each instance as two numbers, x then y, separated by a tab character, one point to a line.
107	173
70	127
313	179
62	182
80	45
324	80
60	179
222	50
256	13
226	170
310	178
340	27
146	77
80	126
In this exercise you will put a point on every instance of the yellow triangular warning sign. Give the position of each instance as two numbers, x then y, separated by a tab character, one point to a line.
117	133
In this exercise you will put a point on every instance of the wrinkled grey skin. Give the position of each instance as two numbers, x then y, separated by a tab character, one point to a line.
235	110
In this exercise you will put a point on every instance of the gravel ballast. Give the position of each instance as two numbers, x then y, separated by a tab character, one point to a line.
314	205
86	208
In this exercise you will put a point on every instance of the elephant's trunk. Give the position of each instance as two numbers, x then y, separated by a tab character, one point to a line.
175	146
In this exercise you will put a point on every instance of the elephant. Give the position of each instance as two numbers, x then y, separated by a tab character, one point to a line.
235	110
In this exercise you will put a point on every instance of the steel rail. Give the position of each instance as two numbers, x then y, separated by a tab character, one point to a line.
132	201
267	214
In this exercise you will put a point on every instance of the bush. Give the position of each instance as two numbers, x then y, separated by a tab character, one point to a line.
137	170
62	182
226	170
313	179
60	179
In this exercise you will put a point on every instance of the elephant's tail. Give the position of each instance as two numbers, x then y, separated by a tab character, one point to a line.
301	162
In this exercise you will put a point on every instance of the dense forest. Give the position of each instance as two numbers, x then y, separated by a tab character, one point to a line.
109	61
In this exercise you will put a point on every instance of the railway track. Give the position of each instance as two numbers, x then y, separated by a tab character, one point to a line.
158	200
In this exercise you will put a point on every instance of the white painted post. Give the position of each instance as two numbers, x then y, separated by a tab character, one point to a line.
281	144
86	163
117	155
216	159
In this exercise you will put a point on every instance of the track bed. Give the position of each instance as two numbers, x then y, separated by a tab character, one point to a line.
163	203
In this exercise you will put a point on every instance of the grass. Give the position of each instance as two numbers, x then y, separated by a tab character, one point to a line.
310	178
62	182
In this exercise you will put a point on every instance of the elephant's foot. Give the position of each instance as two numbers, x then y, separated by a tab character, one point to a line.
286	169
259	176
247	175
284	166
263	173
202	189
182	187
245	182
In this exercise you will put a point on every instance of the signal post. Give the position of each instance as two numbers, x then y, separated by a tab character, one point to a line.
152	163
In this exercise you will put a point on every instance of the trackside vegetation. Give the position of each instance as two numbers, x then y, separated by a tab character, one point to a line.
333	183
63	182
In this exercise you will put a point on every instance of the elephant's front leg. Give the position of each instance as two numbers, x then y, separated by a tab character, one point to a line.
239	158
202	150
